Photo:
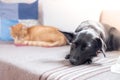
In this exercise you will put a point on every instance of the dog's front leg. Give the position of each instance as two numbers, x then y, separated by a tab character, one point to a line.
67	56
89	61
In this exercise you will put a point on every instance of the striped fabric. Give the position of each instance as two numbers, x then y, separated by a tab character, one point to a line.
83	72
116	67
13	13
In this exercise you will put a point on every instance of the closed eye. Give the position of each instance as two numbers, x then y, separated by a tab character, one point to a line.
83	47
73	46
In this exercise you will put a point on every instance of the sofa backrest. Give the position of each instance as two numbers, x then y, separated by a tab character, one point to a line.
111	17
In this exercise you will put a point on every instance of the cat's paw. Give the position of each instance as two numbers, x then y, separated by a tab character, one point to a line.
19	43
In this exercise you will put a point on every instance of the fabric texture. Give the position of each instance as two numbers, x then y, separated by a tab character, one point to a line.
13	13
38	63
112	17
116	67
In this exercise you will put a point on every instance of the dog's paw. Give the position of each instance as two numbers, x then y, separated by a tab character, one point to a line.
89	61
67	56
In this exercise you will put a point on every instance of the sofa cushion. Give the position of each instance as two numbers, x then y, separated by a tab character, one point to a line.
13	13
111	17
38	63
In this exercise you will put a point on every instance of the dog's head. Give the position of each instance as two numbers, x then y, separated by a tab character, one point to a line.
84	47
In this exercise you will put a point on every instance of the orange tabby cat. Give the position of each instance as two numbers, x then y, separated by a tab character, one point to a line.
37	35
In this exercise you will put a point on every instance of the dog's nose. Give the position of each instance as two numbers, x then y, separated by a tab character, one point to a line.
73	61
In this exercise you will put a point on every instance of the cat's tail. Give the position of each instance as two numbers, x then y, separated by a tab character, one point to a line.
45	44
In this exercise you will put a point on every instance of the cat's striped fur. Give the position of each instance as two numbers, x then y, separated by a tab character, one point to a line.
38	36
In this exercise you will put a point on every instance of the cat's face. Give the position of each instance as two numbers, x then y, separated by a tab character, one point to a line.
18	32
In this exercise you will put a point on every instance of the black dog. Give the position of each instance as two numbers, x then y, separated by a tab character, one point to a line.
90	38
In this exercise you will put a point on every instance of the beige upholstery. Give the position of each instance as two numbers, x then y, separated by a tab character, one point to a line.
111	17
37	63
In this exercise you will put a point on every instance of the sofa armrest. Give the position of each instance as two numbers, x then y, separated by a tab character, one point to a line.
111	17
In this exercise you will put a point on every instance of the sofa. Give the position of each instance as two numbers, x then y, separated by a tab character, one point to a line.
40	63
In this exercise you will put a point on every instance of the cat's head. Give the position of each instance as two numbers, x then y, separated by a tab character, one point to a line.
18	31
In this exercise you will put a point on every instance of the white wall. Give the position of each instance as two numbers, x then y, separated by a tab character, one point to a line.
110	4
68	14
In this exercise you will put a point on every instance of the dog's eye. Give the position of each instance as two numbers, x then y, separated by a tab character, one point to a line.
83	47
74	45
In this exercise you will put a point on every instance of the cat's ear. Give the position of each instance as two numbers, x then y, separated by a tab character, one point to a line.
11	28
19	26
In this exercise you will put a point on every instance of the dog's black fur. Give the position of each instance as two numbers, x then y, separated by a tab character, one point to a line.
90	38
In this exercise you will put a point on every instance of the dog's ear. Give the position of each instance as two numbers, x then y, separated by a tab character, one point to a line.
101	45
69	36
